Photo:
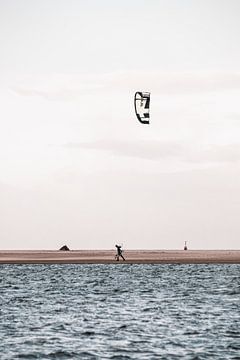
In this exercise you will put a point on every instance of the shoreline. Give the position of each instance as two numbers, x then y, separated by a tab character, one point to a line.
132	257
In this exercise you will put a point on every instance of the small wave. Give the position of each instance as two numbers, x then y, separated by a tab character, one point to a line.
61	354
88	333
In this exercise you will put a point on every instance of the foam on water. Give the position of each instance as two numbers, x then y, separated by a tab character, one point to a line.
119	312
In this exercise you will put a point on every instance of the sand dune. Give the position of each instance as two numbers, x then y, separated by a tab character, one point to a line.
132	257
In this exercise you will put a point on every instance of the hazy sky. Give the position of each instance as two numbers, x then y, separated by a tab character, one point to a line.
76	166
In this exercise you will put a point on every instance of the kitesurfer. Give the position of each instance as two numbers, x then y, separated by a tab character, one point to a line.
119	253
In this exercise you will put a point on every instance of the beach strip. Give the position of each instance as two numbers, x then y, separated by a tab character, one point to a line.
108	257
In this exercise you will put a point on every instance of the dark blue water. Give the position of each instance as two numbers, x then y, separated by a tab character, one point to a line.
119	312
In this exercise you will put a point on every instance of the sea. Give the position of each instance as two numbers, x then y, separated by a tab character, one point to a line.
120	311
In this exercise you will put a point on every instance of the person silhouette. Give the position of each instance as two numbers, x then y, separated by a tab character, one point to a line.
119	253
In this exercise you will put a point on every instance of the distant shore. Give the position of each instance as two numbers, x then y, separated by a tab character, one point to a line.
132	257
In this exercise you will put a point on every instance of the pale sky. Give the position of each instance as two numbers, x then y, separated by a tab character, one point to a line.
76	166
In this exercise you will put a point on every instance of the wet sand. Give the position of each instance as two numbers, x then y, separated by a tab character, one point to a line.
132	257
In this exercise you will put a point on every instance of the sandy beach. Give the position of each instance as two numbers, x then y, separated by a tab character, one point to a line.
132	257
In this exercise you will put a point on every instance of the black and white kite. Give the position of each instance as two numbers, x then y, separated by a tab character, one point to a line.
142	105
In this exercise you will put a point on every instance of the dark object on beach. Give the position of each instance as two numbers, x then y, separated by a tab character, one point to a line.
185	246
64	248
119	253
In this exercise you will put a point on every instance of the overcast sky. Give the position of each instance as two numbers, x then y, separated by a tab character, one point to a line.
76	166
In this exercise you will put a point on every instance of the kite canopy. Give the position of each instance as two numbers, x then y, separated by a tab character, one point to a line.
142	104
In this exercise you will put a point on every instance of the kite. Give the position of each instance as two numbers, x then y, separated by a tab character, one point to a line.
142	104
